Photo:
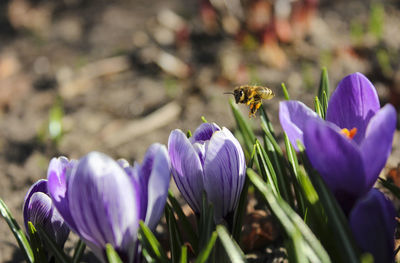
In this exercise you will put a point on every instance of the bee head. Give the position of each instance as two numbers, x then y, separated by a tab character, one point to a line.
239	95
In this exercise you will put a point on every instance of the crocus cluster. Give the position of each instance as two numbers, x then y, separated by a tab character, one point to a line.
103	200
212	161
39	210
349	149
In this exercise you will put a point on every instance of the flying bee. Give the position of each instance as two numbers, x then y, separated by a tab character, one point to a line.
252	96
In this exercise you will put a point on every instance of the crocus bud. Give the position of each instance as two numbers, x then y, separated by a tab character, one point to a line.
212	160
38	208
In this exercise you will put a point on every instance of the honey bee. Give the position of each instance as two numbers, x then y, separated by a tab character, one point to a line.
252	96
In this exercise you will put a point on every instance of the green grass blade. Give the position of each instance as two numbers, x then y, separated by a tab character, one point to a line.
232	249
205	253
266	169
184	222
36	244
206	222
285	92
151	244
266	124
175	239
183	258
17	231
78	251
323	91
318	108
291	222
112	255
53	247
291	154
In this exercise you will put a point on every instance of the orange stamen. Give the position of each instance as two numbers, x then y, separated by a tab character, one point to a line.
349	134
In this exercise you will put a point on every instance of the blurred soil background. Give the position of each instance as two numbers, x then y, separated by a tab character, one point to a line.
116	76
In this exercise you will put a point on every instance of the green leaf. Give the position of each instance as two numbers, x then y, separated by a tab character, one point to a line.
291	154
232	249
337	222
151	244
206	251
36	244
204	119
324	82
53	247
285	92
17	231
184	222
78	251
112	255
323	91
183	258
175	239
309	245
266	169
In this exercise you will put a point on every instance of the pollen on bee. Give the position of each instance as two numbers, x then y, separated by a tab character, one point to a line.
349	134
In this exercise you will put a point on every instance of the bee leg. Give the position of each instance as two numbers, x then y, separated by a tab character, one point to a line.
258	105
251	110
254	107
250	101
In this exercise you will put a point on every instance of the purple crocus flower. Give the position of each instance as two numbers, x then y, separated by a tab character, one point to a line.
351	147
102	200
211	161
373	223
38	209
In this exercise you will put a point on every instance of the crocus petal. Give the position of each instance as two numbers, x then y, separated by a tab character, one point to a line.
337	159
293	116
353	104
373	223
158	185
103	202
187	170
57	187
377	145
224	172
204	132
39	186
60	228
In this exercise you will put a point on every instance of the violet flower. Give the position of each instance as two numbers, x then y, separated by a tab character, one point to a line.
38	209
212	160
373	223
102	200
351	147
